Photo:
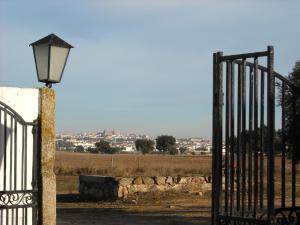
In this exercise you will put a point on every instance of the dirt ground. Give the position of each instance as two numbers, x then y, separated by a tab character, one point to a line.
144	209
118	217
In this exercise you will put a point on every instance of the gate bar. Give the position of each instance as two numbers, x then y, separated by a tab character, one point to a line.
294	153
243	135
271	127
262	141
283	144
255	135
217	137
227	131
250	142
232	169
243	56
239	136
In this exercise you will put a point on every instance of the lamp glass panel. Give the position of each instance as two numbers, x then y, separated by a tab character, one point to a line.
57	62
41	59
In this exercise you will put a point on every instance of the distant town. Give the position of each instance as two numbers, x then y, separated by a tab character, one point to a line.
85	142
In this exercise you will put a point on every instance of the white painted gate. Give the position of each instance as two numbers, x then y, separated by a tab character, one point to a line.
19	111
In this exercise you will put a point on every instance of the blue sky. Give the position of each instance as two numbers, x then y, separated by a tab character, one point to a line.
142	66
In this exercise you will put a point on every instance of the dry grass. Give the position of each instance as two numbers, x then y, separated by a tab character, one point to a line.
130	165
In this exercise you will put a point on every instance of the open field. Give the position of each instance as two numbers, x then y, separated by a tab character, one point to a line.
130	165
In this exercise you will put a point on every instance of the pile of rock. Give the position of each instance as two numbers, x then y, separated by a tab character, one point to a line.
101	187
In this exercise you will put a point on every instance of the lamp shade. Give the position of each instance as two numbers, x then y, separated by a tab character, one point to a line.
50	55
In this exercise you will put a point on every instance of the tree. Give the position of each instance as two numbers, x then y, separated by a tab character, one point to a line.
92	150
292	98
64	144
114	150
144	145
183	150
166	144
104	147
173	150
79	148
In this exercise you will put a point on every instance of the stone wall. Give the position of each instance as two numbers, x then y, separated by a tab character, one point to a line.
101	187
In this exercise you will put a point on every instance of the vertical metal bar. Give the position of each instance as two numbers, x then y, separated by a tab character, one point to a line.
23	216
220	121
12	216
250	140
238	147
25	159
262	143
270	132
11	154
214	200
15	157
35	171
26	216
217	137
294	152
17	216
243	136
227	133
232	145
34	158
34	222
5	150
255	136
283	142
7	216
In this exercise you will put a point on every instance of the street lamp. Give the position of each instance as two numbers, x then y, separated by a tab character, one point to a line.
50	56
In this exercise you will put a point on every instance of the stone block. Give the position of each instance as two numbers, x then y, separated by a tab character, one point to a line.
148	180
176	187
142	188
125	191
99	194
160	180
208	179
182	180
125	181
132	189
120	192
81	187
175	180
106	193
96	179
85	190
138	181
188	180
169	180
196	180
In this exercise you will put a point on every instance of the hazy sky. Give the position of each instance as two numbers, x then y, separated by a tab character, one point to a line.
142	65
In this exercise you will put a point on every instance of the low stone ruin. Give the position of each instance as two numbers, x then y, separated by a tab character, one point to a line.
103	187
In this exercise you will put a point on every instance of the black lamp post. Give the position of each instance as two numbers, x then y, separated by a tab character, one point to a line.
50	56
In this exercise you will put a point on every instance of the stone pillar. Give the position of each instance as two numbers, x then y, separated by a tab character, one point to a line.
47	182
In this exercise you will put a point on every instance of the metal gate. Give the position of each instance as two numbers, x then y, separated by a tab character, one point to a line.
254	181
18	169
